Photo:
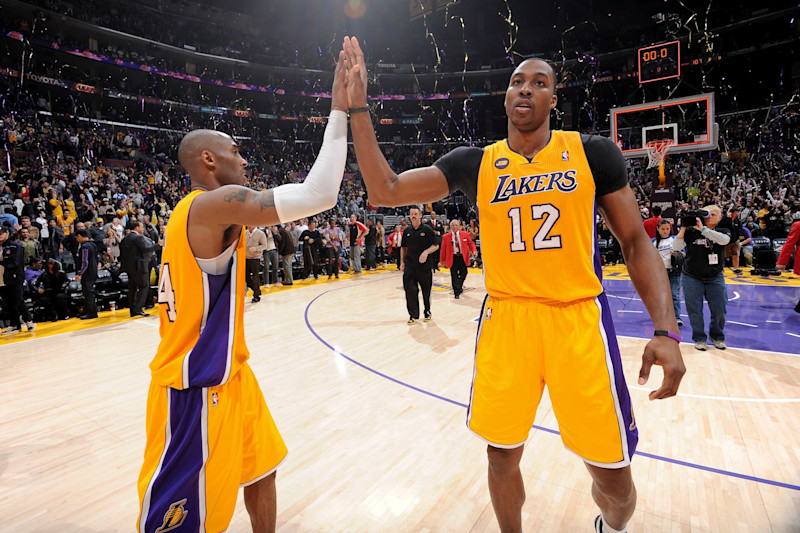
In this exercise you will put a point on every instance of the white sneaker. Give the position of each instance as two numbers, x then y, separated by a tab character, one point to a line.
9	329
31	326
700	345
719	344
268	285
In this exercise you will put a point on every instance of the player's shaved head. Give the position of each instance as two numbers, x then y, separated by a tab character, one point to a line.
196	142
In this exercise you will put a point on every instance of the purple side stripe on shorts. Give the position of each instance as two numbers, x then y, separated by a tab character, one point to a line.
179	475
475	358
619	377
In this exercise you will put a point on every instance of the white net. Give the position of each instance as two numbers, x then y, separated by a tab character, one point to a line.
657	151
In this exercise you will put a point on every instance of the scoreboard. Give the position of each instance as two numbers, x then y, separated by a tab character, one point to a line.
660	62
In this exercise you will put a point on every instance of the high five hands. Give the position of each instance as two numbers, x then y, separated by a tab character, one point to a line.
356	79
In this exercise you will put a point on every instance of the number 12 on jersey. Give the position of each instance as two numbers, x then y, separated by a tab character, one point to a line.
542	240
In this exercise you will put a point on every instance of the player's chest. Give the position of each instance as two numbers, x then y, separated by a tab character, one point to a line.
530	183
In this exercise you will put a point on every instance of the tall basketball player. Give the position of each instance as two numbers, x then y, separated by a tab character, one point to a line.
208	428
537	193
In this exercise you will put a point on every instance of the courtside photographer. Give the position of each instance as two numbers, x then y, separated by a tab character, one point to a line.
702	272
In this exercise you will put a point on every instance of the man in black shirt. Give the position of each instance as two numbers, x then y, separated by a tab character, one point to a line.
419	242
87	273
524	178
371	246
14	279
312	242
135	256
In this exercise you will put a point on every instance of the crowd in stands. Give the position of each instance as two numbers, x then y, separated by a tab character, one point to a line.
60	175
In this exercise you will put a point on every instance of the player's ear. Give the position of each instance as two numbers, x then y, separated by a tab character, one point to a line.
554	102
208	159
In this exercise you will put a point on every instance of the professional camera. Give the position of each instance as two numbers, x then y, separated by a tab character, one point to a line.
689	216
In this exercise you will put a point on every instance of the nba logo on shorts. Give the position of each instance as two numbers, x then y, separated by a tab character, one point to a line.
565	155
214	399
488	313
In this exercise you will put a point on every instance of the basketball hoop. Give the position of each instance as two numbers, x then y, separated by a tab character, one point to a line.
656	152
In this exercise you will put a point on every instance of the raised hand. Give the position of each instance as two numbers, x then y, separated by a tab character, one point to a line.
356	74
339	97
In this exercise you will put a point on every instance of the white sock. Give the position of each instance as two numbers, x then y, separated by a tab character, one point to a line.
609	529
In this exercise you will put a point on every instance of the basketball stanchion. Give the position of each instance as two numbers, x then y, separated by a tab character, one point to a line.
656	152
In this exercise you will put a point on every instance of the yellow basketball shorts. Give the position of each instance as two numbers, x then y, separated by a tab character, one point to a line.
202	445
572	348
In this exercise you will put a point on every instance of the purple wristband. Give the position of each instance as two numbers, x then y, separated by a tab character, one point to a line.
664	333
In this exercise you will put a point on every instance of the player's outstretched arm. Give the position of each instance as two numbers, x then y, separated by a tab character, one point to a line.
649	277
384	187
235	204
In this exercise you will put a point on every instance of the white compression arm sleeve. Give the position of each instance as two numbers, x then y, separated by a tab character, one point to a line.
320	189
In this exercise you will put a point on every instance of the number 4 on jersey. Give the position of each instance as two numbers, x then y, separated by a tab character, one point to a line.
541	241
166	294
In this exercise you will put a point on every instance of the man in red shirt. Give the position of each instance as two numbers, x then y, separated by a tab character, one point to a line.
651	224
457	252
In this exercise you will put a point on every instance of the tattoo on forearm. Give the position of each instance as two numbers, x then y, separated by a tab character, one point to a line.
267	200
239	195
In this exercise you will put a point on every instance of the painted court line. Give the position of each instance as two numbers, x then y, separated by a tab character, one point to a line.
743	324
548	430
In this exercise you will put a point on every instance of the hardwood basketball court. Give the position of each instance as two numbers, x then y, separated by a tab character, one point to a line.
373	413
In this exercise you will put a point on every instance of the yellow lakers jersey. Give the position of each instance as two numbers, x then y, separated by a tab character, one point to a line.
202	331
537	222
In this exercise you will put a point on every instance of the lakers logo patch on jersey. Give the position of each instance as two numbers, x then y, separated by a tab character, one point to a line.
174	517
502	163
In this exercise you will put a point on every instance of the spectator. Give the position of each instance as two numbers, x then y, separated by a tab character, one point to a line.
394	242
50	289
13	279
256	243
746	239
703	277
381	243
457	253
651	224
673	262
136	254
333	237
286	249
734	227
87	273
30	247
357	233
371	246
111	242
33	271
270	258
312	242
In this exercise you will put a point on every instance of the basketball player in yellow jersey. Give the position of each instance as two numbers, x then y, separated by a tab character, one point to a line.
208	428
545	319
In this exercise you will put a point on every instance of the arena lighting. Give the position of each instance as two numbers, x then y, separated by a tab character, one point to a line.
355	9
